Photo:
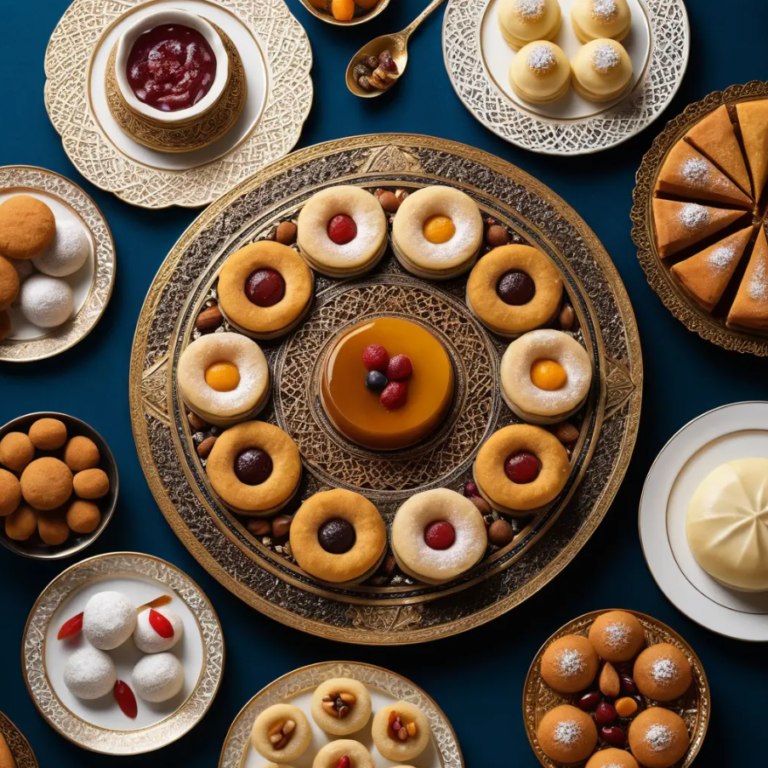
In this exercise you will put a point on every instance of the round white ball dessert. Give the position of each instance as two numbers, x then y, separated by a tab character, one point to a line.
109	620
66	253
152	635
158	677
90	673
46	302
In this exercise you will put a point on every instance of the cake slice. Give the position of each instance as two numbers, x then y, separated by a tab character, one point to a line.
680	225
715	138
687	173
750	307
706	275
753	119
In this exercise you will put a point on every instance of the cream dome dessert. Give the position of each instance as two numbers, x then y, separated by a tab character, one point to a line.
727	524
602	70
90	673
593	19
158	630
540	73
158	677
109	620
522	21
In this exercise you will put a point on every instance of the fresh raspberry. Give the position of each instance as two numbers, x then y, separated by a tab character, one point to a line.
375	358
400	368
439	535
395	395
342	229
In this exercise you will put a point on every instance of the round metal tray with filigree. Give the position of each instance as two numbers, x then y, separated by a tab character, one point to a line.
391	608
19	746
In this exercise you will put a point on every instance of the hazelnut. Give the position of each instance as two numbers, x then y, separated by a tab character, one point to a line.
496	236
196	422
16	451
52	527
209	319
566	433
91	484
81	453
259	527
286	233
364	83
500	533
281	525
389	202
482	505
372	62
83	516
48	434
567	317
206	446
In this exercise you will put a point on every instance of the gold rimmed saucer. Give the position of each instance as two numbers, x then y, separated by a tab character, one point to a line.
19	746
328	18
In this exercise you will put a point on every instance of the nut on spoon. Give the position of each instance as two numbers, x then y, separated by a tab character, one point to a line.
396	44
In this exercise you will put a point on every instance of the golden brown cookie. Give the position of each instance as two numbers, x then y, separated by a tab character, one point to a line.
612	758
46	483
569	664
81	453
52	527
567	735
5	325
27	225
91	484
48	434
617	636
9	284
658	737
83	516
16	451
10	492
662	672
21	524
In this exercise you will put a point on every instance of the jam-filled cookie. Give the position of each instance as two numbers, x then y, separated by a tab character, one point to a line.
437	233
521	468
658	737
437	535
338	536
224	378
341	706
514	289
569	664
265	289
662	672
281	733
567	735
255	467
617	636
522	21
342	231
401	731
332	755
545	376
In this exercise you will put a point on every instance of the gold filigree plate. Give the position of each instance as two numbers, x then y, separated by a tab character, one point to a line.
389	686
102	738
657	270
19	746
694	706
263	573
38	181
276	53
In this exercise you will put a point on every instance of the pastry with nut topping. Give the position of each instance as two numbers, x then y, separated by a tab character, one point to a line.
341	706
522	21
281	733
401	731
345	753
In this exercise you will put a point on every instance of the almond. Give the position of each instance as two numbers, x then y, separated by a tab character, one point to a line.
609	684
209	319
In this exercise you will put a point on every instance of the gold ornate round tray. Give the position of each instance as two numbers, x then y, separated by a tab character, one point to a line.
710	326
694	706
391	608
19	746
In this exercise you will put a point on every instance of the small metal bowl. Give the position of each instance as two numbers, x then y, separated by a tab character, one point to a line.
328	17
34	548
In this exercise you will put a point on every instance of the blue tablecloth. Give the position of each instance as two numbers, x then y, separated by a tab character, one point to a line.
477	678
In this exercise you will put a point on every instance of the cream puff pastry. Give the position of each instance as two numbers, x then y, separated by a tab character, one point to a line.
522	21
602	70
540	73
594	19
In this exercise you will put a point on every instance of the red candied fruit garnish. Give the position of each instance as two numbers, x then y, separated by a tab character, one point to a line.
125	699
265	287
375	358
439	535
342	229
522	467
344	762
71	628
400	368
394	395
160	624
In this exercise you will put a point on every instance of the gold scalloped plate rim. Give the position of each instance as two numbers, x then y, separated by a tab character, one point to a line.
17	743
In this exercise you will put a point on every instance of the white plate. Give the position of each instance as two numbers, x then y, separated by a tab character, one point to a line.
731	432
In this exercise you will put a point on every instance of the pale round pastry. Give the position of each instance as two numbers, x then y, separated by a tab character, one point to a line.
90	673
409	545
148	640
272	722
358	255
522	21
593	19
612	758
330	755
529	401
662	672
602	71
221	407
341	706
46	302
658	737
617	636
158	677
567	735
66	253
109	620
569	664
727	524
437	260
540	73
413	720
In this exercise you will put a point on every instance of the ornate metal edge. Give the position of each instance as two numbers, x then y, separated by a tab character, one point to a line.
399	615
670	47
73	331
94	738
17	743
687	311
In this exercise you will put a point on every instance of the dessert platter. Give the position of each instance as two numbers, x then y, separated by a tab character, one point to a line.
291	423
122	654
382	719
566	77
699	217
15	751
703	521
172	102
617	689
57	264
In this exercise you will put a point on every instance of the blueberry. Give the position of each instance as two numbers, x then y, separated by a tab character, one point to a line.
376	381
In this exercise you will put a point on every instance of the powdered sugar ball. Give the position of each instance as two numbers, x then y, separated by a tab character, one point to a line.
147	638
158	677
90	673
109	620
46	301
66	253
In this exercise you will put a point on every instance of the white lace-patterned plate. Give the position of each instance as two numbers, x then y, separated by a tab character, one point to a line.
385	688
478	59
731	432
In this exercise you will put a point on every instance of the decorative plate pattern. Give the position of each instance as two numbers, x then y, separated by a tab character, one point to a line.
263	575
694	707
19	746
670	45
288	59
102	740
58	340
400	688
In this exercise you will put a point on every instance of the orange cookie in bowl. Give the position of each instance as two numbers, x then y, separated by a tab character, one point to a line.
569	664
658	738
567	735
617	636
662	672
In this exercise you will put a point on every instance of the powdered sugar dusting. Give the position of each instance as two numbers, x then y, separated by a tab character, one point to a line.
758	285
665	671
694	216
541	59
530	10
605	58
604	10
570	662
617	635
567	732
722	257
659	737
695	170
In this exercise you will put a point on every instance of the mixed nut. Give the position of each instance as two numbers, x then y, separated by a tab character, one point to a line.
339	704
376	73
399	730
281	732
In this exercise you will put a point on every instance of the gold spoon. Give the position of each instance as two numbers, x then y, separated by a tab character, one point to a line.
396	44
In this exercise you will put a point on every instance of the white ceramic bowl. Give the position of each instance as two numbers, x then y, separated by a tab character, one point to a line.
145	24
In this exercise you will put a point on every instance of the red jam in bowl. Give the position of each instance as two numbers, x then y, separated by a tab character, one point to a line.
171	67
